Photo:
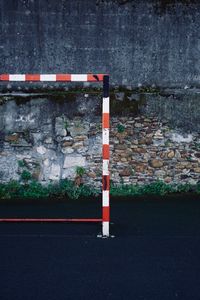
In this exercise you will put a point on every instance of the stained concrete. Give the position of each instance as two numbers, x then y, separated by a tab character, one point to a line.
137	42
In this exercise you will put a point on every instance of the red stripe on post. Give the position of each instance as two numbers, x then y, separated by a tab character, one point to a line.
106	121
106	214
32	77
95	77
4	77
106	151
106	182
63	77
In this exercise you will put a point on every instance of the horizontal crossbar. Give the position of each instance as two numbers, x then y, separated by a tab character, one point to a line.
52	77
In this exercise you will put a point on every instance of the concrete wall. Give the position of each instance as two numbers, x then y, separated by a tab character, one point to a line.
137	42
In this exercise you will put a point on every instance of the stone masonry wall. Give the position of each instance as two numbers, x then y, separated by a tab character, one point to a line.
51	138
148	150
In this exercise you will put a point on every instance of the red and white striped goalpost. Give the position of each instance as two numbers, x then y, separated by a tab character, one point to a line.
105	139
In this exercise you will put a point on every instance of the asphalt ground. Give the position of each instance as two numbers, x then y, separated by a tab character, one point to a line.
155	253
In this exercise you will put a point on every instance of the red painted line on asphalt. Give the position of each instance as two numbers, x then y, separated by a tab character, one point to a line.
14	220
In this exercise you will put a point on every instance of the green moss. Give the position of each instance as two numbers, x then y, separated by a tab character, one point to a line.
21	163
59	95
66	125
137	90
127	106
149	90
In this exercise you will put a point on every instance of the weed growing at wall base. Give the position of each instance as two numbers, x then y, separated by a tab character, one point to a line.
67	189
80	171
159	188
35	190
26	176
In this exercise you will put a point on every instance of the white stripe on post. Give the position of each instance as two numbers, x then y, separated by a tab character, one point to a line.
105	198
105	229
105	167
105	136
79	77
16	77
48	77
106	105
105	141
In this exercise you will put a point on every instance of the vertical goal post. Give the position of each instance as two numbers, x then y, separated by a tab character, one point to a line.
103	78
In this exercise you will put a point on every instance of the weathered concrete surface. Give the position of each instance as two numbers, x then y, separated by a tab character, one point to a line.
181	109
137	42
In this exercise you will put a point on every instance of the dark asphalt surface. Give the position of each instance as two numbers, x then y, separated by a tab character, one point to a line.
155	253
